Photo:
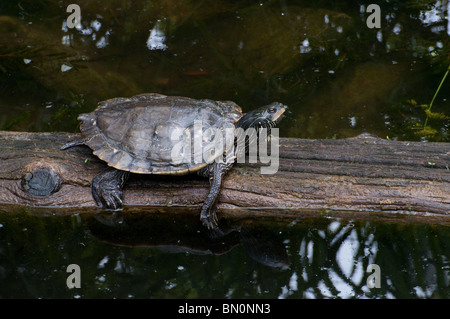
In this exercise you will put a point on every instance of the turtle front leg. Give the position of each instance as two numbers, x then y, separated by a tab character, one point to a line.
215	172
107	188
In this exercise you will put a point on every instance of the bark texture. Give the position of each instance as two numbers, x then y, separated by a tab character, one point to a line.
360	175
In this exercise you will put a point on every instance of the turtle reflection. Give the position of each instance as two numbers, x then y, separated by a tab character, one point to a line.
184	234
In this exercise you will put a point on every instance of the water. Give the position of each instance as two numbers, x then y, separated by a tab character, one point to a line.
339	78
171	256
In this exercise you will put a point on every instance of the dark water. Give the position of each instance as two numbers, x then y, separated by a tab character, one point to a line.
339	78
167	255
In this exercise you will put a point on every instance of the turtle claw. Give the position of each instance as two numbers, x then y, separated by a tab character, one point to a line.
209	219
209	222
107	188
109	199
113	201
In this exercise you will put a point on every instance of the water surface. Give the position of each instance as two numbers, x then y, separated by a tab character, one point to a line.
164	255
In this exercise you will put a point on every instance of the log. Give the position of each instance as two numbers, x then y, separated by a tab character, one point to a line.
359	176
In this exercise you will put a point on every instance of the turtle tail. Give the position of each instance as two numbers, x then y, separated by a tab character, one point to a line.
72	144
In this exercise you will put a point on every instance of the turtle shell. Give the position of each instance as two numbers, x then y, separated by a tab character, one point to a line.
155	134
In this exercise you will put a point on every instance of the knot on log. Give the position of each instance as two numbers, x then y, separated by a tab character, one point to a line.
41	181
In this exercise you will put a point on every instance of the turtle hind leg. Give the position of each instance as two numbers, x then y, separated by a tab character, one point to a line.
72	144
107	188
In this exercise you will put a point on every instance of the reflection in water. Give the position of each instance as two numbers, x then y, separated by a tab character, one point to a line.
352	248
436	15
157	38
170	255
339	77
87	31
187	236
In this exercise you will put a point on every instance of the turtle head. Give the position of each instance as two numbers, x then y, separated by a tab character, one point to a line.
264	117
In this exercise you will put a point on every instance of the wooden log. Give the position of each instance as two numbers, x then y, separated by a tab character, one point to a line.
361	175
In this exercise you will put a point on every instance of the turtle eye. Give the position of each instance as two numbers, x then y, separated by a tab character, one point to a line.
272	110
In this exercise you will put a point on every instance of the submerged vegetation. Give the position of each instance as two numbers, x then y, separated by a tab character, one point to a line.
428	130
338	76
435	127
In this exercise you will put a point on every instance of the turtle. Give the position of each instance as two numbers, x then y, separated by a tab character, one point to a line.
157	134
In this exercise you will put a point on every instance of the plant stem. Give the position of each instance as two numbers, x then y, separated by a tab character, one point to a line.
435	94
